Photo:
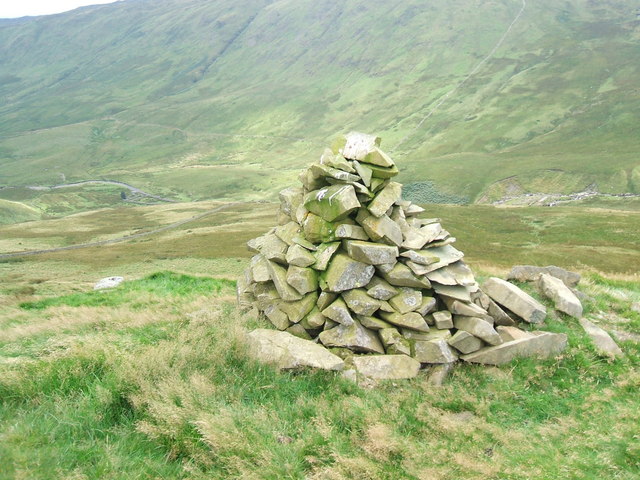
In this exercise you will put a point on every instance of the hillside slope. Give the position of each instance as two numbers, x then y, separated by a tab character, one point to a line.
201	99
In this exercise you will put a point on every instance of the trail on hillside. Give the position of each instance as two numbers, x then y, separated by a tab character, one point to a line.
121	239
131	188
464	80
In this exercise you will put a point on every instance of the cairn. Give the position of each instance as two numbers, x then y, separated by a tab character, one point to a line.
352	265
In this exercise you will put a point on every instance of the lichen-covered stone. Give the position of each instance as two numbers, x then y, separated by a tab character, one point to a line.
407	300
433	351
386	367
464	342
385	199
300	256
401	276
411	320
299	309
381	289
371	253
279	277
354	336
543	345
304	280
332	203
318	230
353	232
360	302
338	312
443	319
324	254
344	273
380	228
479	328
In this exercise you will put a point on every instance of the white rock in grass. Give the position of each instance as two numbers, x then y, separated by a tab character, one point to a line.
109	282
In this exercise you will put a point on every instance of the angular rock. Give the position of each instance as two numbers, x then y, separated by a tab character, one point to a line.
380	289
318	230
360	303
279	277
455	292
286	351
447	256
288	232
373	323
407	300
421	257
354	337
273	248
355	145
529	273
290	200
297	310
333	175
433	351
427	306
511	297
313	320
277	317
455	274
426	336
512	333
259	269
605	345
385	199
324	254
386	367
371	253
351	232
563	298
380	228
544	345
300	256
332	203
411	320
344	273
464	342
325	299
304	280
401	276
299	331
443	319
338	312
332	160
479	328
364	172
438	374
467	309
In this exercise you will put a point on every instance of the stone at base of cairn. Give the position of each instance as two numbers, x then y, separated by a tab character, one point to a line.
352	266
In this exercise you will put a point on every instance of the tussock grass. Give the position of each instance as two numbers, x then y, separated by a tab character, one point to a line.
170	392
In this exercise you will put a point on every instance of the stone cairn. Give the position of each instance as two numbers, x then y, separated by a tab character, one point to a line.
353	266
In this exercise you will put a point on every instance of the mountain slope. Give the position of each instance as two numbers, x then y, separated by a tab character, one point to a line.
227	99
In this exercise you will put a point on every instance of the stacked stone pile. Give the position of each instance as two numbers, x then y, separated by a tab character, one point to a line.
353	266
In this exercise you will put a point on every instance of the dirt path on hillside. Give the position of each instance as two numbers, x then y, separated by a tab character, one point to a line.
131	188
121	239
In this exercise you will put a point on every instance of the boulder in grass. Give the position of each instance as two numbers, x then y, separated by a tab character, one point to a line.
516	300
530	273
562	296
109	282
544	345
287	351
601	339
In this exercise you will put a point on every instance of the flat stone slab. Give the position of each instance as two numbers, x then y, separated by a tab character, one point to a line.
386	367
543	345
287	351
513	298
530	273
603	342
371	253
478	327
562	296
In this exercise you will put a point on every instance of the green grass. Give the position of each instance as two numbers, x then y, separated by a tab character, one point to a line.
161	284
178	397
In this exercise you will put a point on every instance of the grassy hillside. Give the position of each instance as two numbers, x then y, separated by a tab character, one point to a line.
203	100
153	379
